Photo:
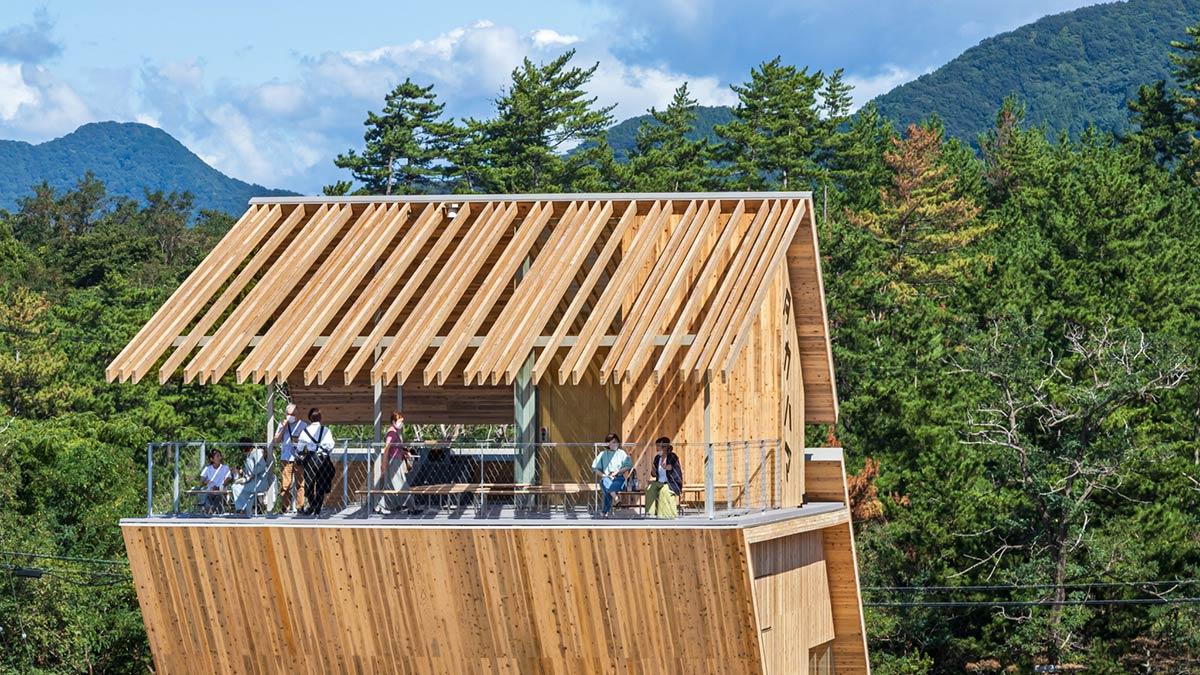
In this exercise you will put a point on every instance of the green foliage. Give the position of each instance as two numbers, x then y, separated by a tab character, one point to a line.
1072	70
664	159
402	144
540	115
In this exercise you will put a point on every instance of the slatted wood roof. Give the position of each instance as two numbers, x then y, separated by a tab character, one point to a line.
602	285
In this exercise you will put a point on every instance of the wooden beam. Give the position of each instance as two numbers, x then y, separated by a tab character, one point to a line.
414	281
651	292
667	301
443	295
481	305
178	311
232	291
366	306
513	312
584	293
618	287
695	300
765	276
736	306
271	291
554	277
750	243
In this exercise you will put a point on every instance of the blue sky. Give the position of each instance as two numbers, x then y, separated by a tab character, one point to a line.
270	91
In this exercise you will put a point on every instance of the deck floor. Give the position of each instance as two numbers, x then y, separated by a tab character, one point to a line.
500	515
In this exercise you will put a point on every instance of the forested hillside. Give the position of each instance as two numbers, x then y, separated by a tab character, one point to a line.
1071	70
129	158
621	136
1014	334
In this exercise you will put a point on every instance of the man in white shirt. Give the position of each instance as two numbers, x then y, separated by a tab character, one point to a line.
291	475
316	442
255	483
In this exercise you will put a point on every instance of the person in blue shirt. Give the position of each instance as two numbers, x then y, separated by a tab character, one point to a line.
611	466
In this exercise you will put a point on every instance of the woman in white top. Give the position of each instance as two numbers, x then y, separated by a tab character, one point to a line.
316	441
255	482
214	476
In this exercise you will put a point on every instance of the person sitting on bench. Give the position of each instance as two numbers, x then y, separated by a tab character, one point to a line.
214	476
255	484
662	494
611	465
316	441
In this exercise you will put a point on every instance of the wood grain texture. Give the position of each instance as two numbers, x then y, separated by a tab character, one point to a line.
791	591
444	600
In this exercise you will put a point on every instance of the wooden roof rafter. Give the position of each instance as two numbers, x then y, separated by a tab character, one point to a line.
605	286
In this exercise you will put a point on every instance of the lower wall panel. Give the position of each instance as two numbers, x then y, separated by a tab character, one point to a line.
450	600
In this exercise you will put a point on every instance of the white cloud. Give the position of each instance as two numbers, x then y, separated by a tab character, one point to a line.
14	93
869	86
545	37
286	132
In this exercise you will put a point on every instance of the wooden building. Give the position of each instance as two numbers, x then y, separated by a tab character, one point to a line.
696	316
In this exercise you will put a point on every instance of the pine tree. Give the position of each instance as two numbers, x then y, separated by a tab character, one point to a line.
776	128
664	158
544	112
1161	133
402	144
1187	76
923	222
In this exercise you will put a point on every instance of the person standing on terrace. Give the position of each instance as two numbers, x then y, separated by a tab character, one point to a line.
611	465
291	474
316	442
395	463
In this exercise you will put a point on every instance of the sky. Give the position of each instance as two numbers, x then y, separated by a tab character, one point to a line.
270	91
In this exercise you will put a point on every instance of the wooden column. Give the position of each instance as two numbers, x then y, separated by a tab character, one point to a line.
270	412
525	408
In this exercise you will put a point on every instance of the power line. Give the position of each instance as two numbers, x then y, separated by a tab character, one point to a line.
49	556
1036	603
1016	587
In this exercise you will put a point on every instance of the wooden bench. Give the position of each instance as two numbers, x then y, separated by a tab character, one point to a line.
482	490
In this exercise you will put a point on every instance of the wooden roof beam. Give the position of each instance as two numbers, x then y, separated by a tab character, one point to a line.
584	294
414	281
335	282
270	291
196	290
731	305
481	305
559	275
751	240
705	283
399	359
517	307
310	288
614	293
231	292
367	305
765	275
666	300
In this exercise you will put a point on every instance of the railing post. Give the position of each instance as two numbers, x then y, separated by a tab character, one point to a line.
778	502
345	472
728	476
709	488
175	489
370	479
762	471
149	479
746	476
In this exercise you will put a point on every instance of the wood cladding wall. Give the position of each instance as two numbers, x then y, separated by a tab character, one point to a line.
791	592
445	600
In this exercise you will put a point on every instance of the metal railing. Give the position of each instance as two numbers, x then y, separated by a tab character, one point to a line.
357	479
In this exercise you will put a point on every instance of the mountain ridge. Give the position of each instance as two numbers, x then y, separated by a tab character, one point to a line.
129	157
